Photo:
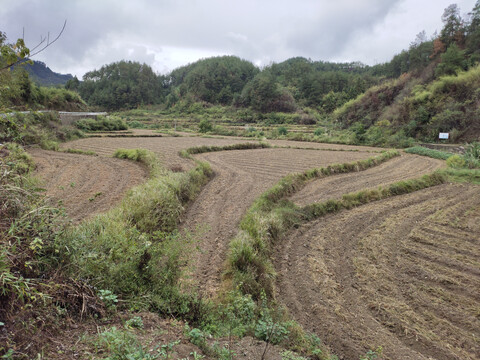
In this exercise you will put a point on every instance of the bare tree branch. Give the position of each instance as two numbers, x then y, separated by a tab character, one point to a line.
42	41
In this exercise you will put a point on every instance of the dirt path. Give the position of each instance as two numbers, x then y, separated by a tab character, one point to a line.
240	177
402	273
400	168
84	184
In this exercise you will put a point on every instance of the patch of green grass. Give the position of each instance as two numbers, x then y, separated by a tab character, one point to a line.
436	154
102	123
143	156
205	148
79	151
463	175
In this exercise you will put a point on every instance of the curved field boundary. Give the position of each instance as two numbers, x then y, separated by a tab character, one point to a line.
403	167
401	273
267	221
85	185
240	176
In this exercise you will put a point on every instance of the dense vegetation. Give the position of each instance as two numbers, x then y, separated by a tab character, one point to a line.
19	92
430	87
42	75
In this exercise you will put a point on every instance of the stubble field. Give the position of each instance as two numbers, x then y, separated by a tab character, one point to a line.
402	273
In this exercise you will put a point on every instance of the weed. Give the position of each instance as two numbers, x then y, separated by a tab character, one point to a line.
456	161
109	298
134	323
119	345
373	354
436	154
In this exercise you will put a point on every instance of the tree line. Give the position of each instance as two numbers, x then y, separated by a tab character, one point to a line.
280	87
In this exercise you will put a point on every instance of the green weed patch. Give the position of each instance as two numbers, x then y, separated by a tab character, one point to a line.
436	154
204	149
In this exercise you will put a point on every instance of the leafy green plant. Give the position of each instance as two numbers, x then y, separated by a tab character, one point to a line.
205	126
282	130
109	298
373	354
456	161
134	323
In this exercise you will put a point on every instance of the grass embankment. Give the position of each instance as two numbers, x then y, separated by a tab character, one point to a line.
128	258
134	250
205	148
249	264
461	168
435	154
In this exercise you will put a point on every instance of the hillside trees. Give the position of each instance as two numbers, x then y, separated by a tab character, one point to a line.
473	34
218	80
123	84
264	94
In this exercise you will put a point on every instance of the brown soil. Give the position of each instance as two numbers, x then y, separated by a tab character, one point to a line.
83	184
166	148
400	168
240	177
402	273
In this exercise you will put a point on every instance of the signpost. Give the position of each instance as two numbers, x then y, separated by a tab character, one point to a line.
443	136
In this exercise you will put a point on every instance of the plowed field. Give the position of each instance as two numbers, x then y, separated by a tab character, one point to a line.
84	184
400	168
403	273
241	176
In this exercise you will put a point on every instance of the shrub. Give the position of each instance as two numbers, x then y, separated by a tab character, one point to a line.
205	126
456	161
102	124
282	130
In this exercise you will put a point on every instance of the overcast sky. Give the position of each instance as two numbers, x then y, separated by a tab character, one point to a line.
169	33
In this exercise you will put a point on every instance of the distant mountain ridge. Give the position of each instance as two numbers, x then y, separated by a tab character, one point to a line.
41	74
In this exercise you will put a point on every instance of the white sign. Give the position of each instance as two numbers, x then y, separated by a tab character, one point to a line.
443	136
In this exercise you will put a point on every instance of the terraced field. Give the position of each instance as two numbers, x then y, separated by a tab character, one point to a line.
403	273
241	176
85	185
400	168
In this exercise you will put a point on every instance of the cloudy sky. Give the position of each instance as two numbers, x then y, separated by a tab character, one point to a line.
169	33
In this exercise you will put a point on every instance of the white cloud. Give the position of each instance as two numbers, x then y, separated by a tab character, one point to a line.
168	33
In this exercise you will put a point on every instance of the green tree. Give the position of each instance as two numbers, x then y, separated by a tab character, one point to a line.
453	29
123	84
453	60
472	41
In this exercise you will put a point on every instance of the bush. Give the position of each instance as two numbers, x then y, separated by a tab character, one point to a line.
282	130
102	124
205	126
456	162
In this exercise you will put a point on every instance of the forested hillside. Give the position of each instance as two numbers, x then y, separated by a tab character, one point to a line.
436	89
428	88
42	75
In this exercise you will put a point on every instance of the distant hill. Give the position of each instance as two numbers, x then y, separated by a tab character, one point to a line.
41	74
